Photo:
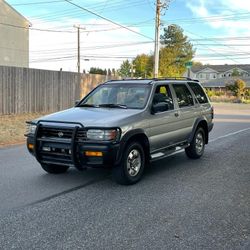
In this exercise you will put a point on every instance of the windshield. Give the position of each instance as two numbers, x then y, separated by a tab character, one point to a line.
117	96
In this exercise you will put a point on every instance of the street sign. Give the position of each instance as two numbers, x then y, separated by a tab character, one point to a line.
188	64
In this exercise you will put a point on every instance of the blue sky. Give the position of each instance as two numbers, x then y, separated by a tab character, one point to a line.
219	30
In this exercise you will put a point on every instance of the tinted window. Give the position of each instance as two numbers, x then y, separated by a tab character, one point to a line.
163	94
184	97
199	92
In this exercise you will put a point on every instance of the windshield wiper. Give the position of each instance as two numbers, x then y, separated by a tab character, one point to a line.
88	105
113	105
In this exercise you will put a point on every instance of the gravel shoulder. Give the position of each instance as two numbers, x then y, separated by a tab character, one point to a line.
13	128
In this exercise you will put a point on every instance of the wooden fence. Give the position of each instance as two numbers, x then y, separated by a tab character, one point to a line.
24	90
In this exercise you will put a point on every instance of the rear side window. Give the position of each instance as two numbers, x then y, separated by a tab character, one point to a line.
199	92
184	97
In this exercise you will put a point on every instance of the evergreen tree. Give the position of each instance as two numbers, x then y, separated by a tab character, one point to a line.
176	50
125	69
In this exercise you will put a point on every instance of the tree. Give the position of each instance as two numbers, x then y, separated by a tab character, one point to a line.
237	88
235	72
125	69
143	65
113	72
97	71
175	52
197	64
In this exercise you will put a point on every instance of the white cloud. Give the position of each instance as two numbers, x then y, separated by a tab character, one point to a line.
226	19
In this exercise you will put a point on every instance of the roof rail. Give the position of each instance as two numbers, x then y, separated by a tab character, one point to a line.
172	78
156	79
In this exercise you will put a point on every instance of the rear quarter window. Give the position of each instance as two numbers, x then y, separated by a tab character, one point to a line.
199	92
184	97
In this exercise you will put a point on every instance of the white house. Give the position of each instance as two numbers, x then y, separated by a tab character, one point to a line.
211	72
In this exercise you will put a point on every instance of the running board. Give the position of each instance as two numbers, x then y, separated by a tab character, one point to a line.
168	152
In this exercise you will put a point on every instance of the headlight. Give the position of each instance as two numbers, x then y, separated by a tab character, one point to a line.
31	129
103	135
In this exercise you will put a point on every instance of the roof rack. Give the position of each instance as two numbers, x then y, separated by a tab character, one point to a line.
172	78
156	79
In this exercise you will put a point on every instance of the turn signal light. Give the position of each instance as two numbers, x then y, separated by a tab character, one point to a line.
92	153
31	146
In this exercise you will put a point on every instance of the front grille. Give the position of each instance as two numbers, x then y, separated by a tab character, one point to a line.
51	132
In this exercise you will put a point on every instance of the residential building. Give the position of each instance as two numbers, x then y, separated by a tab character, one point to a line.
209	72
14	33
218	76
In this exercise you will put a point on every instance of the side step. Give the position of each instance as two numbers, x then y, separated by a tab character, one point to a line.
168	151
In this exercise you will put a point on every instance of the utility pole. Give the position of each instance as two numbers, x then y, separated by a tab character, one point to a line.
78	59
157	37
159	6
78	50
78	27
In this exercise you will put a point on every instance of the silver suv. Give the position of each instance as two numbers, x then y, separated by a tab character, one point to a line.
124	125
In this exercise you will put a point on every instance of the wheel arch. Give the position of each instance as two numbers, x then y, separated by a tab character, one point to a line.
137	135
201	122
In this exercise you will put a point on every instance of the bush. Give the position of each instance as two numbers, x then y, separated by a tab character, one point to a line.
212	93
247	93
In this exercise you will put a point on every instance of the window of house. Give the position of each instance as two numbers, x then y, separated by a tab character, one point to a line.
184	97
199	92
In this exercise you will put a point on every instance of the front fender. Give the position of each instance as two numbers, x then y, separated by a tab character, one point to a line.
125	139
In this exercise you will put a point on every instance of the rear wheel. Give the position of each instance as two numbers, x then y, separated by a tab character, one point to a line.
197	145
132	165
54	169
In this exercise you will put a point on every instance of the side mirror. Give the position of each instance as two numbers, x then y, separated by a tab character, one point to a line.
77	102
160	107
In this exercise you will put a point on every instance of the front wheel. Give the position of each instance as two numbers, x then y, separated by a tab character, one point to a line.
197	145
54	169
131	168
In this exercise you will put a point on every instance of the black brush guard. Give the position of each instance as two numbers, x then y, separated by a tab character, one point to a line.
61	139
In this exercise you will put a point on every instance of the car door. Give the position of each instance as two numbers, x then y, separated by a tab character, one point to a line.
162	124
187	109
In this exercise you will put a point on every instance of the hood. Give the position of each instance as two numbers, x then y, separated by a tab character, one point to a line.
88	117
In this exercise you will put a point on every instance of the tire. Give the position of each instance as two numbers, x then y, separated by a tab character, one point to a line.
132	165
54	169
197	145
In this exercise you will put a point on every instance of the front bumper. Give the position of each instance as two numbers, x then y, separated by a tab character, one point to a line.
70	152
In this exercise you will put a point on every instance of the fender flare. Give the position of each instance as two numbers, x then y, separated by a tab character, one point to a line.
125	139
197	122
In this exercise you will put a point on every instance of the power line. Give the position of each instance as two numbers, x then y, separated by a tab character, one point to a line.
36	3
238	16
210	48
107	19
37	29
98	7
58	31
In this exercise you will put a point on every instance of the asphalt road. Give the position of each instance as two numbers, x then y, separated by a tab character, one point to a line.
179	204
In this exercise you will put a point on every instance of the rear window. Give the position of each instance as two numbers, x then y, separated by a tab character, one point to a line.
199	92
